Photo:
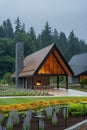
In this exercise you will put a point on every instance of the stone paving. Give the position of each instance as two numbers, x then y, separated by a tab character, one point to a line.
68	92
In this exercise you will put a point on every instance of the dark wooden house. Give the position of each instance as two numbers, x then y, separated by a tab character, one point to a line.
78	63
39	66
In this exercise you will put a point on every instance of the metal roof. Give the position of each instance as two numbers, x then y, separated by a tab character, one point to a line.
78	63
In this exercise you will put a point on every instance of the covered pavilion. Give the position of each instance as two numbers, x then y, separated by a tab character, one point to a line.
41	65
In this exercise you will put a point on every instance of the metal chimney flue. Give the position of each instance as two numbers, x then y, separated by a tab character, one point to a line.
19	60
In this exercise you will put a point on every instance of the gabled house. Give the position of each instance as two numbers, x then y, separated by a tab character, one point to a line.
78	63
39	66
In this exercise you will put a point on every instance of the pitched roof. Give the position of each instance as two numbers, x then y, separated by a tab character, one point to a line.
33	62
78	63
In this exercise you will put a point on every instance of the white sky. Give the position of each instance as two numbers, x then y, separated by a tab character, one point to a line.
64	15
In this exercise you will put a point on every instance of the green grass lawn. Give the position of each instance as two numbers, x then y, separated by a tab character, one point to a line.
7	101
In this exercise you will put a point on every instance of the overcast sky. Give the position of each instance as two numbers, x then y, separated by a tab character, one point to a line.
64	15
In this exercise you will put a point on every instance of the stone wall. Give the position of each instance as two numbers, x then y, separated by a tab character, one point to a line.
19	62
43	79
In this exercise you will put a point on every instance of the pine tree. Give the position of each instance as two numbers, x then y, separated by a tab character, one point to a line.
39	43
55	36
2	35
23	28
32	34
10	33
62	41
4	25
18	26
7	28
46	36
73	45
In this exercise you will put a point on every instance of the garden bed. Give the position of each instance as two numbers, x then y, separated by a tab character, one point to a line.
48	125
12	91
72	109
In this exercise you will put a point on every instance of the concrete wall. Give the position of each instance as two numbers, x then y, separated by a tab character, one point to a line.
79	126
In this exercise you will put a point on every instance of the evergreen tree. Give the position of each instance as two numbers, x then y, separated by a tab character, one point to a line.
68	46
23	28
6	64
62	41
6	56
86	47
55	37
39	43
62	44
4	25
29	45
46	36
2	35
32	34
18	26
83	46
73	46
9	31
6	47
7	28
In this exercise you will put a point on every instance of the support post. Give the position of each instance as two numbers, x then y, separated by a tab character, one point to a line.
23	83
32	82
26	83
66	82
57	82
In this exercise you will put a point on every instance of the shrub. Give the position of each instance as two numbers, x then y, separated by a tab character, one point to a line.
77	113
76	109
83	82
8	78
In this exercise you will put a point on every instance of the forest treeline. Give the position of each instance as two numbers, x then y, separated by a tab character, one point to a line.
32	42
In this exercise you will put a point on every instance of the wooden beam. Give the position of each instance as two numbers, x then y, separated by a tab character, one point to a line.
59	63
66	82
32	82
